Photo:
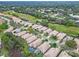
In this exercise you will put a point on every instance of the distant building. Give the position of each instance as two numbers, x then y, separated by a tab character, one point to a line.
77	22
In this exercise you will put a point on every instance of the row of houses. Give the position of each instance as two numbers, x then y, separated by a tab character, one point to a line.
35	42
44	47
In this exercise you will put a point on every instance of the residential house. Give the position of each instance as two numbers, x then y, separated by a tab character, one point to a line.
44	47
64	54
27	35
54	33
1	21
77	41
31	39
53	52
36	43
21	33
9	29
60	36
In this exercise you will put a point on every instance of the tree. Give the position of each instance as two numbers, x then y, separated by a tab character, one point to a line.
4	26
13	43
71	43
43	22
70	23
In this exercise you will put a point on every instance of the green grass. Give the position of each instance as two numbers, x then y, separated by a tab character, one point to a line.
3	27
72	31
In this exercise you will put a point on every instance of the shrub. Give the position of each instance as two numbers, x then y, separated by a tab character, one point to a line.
4	26
11	42
73	54
71	43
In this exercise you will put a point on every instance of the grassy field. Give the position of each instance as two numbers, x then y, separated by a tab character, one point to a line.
72	31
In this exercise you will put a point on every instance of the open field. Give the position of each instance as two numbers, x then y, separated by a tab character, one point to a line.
72	31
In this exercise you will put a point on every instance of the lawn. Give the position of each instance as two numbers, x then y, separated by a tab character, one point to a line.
72	31
3	27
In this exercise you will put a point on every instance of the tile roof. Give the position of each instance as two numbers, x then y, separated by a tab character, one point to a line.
31	39
63	54
54	33
1	21
27	35
9	29
48	31
60	36
67	38
42	29
53	52
77	41
21	33
44	47
36	43
34	26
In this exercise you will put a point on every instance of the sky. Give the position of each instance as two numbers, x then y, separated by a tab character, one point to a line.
39	0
